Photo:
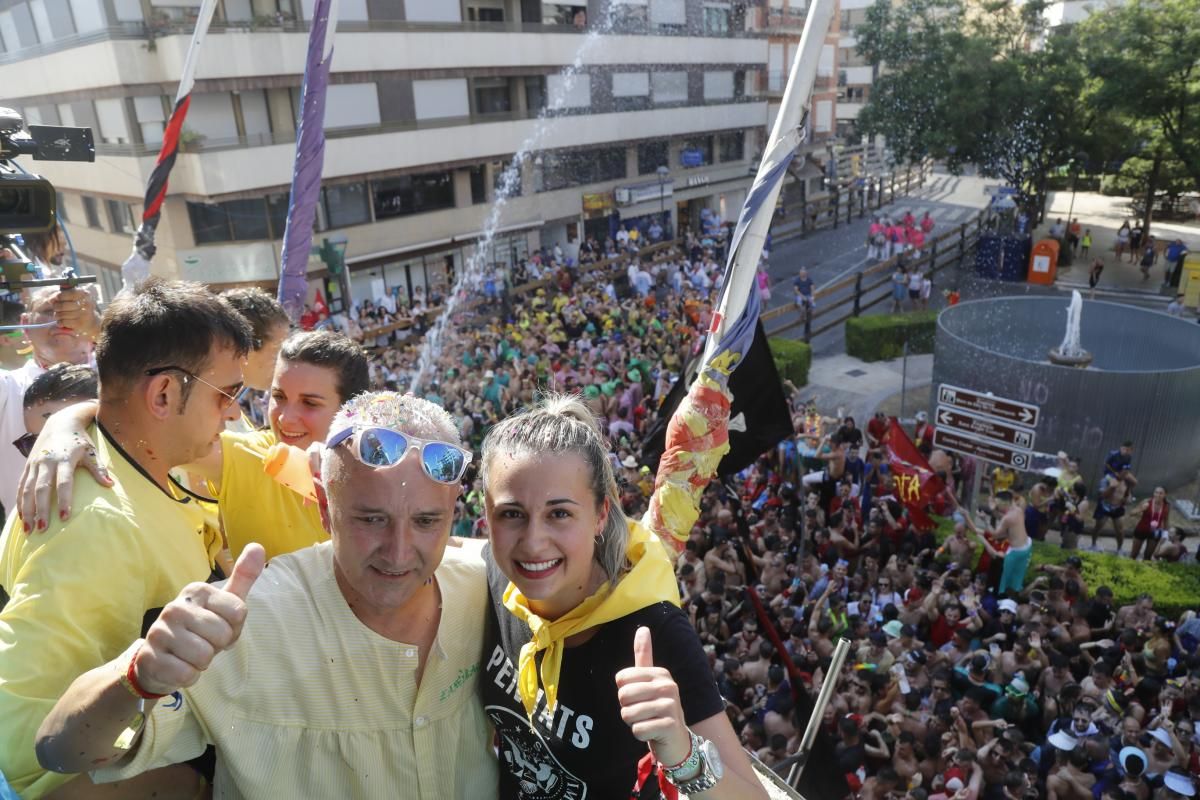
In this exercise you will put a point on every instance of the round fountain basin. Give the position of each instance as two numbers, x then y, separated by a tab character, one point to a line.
1143	382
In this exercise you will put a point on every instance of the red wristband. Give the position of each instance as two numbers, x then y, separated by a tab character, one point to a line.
131	682
681	763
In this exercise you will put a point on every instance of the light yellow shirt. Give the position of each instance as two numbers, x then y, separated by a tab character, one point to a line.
257	508
312	703
80	593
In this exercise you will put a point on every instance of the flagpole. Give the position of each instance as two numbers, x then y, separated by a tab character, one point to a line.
747	250
137	267
309	163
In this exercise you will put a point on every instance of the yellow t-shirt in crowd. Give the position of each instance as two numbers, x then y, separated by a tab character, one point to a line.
312	703
257	508
1003	479
80	592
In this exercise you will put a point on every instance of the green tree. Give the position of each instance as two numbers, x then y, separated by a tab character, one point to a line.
1143	61
982	84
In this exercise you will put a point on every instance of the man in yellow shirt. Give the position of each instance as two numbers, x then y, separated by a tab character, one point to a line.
350	669
315	373
72	596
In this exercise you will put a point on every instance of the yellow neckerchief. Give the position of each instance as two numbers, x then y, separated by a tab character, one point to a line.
650	580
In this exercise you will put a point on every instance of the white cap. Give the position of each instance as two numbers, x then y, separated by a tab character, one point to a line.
1179	783
922	416
1063	740
1008	605
1163	737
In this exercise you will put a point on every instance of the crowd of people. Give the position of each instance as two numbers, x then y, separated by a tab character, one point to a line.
969	678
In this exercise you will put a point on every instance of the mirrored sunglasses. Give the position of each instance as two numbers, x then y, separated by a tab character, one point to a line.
383	447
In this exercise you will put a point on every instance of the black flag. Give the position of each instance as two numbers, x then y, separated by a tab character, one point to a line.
758	418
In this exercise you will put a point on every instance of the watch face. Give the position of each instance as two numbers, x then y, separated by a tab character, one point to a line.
712	759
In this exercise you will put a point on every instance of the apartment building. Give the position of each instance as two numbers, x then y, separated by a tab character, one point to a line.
854	74
428	103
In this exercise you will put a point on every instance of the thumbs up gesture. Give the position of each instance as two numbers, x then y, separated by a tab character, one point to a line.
650	704
201	622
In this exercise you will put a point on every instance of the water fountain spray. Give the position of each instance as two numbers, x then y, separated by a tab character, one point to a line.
1071	353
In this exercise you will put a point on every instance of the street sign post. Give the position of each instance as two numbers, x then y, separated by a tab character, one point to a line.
1001	408
985	428
988	451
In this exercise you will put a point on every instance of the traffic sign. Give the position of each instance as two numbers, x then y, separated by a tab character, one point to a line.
988	451
1001	408
985	428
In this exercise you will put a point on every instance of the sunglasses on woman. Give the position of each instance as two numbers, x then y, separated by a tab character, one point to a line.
383	447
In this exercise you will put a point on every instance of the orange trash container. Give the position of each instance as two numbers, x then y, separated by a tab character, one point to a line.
1043	262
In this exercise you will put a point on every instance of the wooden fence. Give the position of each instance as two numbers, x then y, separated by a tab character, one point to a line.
856	293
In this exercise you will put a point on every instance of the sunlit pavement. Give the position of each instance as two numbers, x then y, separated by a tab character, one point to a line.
1121	280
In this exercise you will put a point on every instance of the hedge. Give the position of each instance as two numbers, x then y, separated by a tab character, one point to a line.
792	359
1174	586
880	337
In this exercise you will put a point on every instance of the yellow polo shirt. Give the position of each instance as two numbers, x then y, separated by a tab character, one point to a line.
80	592
312	703
255	507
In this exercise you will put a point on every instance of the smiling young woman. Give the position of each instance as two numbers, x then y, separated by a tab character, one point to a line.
590	658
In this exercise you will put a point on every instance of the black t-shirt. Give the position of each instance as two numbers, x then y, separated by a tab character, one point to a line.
584	749
851	436
1099	614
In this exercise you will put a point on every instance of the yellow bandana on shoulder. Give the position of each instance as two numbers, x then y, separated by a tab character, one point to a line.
650	580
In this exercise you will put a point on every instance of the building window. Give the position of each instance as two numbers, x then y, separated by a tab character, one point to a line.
478	185
491	95
500	176
669	87
732	146
120	216
210	222
413	194
91	212
581	167
277	210
248	219
535	94
716	20
572	14
479	13
346	205
60	201
651	156
697	152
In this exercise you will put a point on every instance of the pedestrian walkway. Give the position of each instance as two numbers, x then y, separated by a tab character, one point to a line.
859	387
1103	216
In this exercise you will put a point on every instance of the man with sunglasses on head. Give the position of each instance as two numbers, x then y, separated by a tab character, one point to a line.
169	359
351	667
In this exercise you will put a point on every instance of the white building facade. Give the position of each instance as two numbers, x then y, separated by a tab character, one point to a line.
428	103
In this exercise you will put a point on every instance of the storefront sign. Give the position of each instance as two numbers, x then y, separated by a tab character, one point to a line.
697	180
600	201
642	192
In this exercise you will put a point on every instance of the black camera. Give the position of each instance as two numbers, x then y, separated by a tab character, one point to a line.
27	202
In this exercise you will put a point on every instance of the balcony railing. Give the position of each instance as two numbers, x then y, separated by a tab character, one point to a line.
185	26
207	145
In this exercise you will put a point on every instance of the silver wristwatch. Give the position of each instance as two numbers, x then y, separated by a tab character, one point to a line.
711	770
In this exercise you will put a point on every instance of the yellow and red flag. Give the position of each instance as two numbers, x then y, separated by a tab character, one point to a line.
917	486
